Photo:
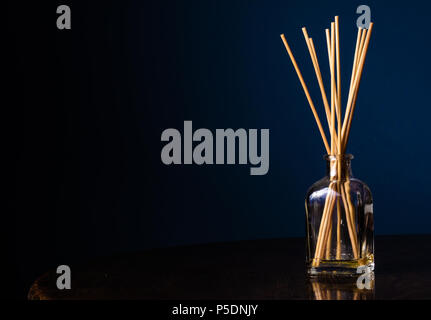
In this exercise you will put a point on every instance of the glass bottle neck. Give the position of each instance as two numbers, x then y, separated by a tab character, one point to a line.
339	167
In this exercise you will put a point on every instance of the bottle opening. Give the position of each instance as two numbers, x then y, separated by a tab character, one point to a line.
344	157
338	166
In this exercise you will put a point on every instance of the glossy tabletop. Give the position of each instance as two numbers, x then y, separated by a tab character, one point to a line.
261	269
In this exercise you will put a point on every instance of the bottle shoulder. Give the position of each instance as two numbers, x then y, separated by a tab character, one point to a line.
320	187
359	184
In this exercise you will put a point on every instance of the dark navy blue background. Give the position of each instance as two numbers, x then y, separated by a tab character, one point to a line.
86	109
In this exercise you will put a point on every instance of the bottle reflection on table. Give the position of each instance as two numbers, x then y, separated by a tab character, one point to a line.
354	288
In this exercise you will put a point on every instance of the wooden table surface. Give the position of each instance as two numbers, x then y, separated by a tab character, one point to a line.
261	269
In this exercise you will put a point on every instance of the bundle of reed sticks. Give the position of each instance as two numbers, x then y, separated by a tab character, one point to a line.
339	129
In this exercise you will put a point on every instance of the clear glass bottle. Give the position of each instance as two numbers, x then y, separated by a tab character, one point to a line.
339	220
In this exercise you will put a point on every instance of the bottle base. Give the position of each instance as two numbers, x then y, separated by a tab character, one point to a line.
341	268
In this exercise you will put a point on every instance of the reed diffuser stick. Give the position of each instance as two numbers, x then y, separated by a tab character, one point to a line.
350	225
337	47
324	98
323	225
313	55
346	186
355	58
350	104
338	251
324	231
334	145
307	94
356	85
337	43
333	93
